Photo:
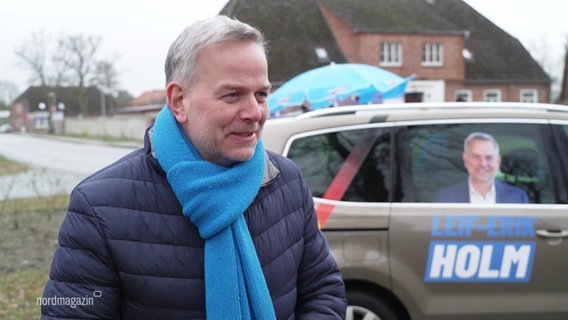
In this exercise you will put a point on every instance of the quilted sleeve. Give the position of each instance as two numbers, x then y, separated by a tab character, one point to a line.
321	291
83	283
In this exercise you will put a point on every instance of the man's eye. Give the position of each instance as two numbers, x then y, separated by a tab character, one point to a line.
261	96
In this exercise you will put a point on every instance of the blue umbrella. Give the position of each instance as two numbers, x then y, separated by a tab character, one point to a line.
329	85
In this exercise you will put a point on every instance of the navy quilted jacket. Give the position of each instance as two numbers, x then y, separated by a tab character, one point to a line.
126	252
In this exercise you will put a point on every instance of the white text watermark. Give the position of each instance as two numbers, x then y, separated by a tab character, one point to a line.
71	302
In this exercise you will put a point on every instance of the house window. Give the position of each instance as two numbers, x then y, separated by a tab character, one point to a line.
462	95
528	95
391	54
492	95
432	54
41	120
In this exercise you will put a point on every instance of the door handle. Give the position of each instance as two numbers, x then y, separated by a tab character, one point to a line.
552	233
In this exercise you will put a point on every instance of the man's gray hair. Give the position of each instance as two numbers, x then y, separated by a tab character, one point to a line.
182	56
480	136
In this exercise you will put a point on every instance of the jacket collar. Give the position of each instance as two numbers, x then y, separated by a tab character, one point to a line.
270	170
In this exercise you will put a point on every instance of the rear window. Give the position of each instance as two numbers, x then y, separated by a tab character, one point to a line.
413	163
436	158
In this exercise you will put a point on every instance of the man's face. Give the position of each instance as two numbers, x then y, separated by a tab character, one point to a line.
481	161
227	105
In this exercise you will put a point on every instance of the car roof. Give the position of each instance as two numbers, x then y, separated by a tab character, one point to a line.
278	130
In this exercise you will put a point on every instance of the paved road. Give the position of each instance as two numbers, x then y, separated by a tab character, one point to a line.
57	164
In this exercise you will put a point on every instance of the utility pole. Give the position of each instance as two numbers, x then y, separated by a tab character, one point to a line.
51	109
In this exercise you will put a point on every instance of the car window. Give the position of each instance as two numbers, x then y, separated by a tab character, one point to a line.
435	153
349	165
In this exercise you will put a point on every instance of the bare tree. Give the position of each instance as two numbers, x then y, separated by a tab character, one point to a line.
8	91
563	96
122	97
77	54
33	54
105	76
72	61
61	69
542	51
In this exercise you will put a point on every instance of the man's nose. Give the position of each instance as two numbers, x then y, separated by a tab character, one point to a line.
485	162
252	110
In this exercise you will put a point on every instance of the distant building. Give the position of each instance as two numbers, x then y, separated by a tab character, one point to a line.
37	106
149	98
4	119
146	106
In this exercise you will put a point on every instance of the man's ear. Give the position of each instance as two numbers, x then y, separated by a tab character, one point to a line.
176	99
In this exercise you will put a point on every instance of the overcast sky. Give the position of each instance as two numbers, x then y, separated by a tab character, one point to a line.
139	33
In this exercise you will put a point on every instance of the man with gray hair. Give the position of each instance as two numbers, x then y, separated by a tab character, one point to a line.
202	222
481	159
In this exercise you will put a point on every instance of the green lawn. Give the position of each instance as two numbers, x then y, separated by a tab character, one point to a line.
19	292
10	167
28	238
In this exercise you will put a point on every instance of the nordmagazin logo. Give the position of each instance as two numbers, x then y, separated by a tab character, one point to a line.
71	302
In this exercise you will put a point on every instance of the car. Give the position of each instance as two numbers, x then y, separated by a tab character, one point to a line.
374	172
5	127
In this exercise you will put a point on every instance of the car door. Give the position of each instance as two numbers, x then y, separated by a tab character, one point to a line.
480	261
348	170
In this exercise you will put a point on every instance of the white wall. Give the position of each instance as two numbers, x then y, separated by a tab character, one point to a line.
131	126
432	90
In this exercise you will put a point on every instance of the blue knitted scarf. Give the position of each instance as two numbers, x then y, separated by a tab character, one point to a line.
215	198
